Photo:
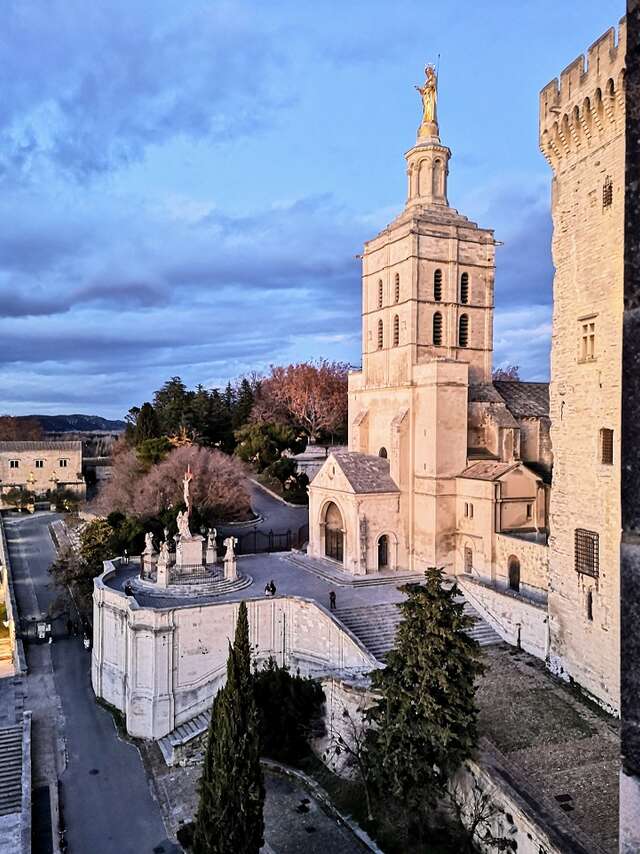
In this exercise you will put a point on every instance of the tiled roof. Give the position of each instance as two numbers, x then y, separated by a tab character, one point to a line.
16	447
524	399
487	470
484	393
366	473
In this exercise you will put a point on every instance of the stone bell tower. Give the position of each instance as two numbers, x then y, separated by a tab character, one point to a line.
428	277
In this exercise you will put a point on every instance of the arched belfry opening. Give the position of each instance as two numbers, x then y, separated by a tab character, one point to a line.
333	533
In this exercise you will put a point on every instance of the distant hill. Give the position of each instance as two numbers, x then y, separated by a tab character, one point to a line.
77	423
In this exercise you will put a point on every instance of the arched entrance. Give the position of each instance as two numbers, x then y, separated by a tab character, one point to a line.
514	573
333	533
383	552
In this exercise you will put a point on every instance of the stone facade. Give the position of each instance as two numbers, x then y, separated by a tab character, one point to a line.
582	135
423	409
162	666
41	467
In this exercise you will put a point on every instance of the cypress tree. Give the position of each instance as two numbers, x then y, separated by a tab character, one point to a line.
230	811
424	724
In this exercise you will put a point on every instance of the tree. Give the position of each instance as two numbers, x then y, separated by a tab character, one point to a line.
150	452
509	373
229	819
348	749
424	724
313	393
263	443
96	545
243	404
171	403
20	429
147	424
288	706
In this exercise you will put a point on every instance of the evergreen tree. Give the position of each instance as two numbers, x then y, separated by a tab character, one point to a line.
243	404
172	405
220	430
241	645
230	811
424	724
147	424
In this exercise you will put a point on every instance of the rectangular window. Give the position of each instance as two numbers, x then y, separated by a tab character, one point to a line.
63	464
14	464
39	464
468	560
587	340
529	511
606	446
587	552
471	511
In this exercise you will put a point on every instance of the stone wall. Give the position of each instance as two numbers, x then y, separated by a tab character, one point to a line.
7	595
534	564
161	667
42	466
582	137
519	621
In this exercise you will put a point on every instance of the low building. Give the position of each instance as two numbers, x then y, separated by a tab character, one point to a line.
42	467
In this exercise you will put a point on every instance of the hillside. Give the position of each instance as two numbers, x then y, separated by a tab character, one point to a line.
77	423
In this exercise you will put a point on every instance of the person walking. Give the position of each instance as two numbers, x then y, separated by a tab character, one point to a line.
332	600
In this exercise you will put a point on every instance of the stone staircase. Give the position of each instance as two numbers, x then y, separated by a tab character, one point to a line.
11	769
375	626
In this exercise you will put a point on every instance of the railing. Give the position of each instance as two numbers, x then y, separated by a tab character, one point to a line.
259	542
195	574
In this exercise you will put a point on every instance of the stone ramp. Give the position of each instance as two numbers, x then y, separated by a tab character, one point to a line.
11	769
173	745
375	626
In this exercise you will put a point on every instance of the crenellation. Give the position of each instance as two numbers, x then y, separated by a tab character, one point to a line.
578	108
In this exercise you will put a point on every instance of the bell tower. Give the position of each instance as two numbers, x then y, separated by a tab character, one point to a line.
428	277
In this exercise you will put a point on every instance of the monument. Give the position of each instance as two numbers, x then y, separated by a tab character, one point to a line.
189	547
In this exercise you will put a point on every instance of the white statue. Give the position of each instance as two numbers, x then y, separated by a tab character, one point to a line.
230	562
164	553
183	524
186	483
148	543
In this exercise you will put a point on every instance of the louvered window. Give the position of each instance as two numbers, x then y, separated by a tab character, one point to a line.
437	329
464	288
437	286
463	331
587	552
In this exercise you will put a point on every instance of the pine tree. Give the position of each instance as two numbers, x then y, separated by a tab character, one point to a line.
424	724
230	812
147	424
243	404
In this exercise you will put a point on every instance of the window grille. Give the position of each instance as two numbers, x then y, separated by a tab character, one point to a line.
380	293
606	446
464	288
607	192
437	286
396	331
463	331
587	552
380	335
437	329
397	288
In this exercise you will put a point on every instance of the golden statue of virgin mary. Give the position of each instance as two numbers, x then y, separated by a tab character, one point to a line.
429	95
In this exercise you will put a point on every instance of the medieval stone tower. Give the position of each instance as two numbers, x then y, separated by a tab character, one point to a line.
582	137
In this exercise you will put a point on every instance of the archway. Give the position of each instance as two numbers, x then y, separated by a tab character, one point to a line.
333	533
514	573
383	552
383	453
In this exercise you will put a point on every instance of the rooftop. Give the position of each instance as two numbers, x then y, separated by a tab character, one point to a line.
17	447
524	400
366	473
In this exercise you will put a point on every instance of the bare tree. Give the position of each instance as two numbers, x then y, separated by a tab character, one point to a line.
314	394
348	748
479	817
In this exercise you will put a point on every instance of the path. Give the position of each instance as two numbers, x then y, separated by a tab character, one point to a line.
105	796
275	514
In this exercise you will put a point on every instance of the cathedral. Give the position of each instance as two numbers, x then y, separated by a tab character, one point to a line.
512	487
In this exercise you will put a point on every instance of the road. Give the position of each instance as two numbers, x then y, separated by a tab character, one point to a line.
275	515
105	797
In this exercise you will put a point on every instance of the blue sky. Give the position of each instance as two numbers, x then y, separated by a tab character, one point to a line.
185	186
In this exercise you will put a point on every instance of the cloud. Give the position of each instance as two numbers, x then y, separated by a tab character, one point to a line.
100	83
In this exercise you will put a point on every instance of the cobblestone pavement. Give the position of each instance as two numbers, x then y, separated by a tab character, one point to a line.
561	749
